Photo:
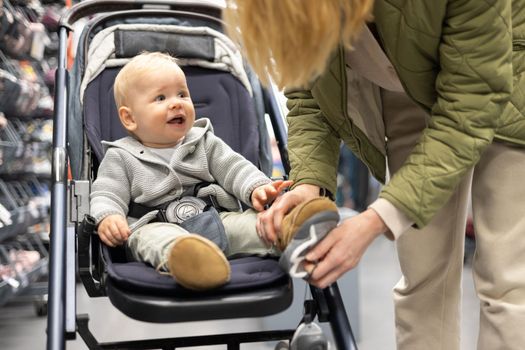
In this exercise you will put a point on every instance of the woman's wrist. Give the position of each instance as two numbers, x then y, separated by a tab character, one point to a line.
308	191
375	223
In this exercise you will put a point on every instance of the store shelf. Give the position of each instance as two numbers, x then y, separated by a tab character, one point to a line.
26	103
21	282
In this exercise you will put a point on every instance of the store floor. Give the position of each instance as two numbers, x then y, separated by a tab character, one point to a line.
20	329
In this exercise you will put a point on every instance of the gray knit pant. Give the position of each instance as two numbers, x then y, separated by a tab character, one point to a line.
152	242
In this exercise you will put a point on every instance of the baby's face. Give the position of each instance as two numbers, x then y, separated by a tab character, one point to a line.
161	107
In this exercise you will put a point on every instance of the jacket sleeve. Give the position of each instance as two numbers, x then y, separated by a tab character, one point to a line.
313	145
473	86
231	170
111	190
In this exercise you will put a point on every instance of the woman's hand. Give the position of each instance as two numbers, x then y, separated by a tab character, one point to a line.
266	194
269	221
113	230
342	249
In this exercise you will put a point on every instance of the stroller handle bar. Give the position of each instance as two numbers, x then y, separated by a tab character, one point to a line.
92	7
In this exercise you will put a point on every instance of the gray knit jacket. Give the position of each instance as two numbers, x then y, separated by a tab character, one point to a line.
130	172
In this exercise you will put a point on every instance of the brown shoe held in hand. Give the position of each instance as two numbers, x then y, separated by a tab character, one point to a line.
305	226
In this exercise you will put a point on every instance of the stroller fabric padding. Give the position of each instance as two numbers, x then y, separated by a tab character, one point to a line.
103	50
247	273
129	43
228	106
109	38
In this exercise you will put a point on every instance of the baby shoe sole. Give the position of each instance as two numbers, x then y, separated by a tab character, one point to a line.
197	263
311	232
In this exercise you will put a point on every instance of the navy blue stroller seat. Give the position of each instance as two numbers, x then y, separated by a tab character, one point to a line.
228	105
222	90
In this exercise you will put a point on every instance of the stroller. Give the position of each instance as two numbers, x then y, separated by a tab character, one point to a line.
85	114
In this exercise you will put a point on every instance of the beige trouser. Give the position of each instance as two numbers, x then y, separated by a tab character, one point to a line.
428	296
152	242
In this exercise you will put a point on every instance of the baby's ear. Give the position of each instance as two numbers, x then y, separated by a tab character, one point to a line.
126	118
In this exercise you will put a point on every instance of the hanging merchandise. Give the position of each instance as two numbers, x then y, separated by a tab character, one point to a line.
27	64
20	91
16	38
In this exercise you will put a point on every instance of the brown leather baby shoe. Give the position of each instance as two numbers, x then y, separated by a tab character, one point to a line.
197	263
301	230
297	217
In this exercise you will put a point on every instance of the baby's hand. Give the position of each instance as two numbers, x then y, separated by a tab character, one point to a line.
113	230
266	194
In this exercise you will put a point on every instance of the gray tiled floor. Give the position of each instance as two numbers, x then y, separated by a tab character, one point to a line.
20	329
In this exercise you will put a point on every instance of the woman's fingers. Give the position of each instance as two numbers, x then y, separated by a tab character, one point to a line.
266	226
342	249
328	270
259	227
327	279
274	215
269	221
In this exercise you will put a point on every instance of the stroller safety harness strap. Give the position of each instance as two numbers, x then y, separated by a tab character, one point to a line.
176	211
181	209
194	214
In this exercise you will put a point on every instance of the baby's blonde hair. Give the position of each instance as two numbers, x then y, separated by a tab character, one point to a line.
292	40
142	63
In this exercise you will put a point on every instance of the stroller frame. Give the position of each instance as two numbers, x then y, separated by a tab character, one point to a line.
63	323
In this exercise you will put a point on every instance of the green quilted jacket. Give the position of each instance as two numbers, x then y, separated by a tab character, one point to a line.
456	59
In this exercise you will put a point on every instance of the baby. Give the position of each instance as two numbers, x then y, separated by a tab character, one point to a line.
166	156
181	177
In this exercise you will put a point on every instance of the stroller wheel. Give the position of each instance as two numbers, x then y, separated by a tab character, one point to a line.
309	336
40	307
282	345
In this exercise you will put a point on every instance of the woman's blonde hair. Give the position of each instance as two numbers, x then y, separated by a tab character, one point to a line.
292	40
141	64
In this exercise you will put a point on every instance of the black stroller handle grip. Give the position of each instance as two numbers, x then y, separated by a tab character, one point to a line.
92	7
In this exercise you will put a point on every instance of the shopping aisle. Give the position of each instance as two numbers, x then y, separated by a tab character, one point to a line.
20	329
